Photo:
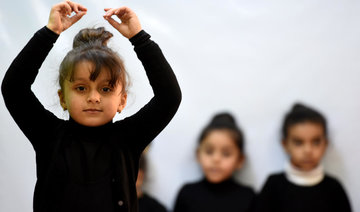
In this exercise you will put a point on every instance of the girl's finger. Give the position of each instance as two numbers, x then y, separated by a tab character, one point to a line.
77	16
122	10
114	23
82	8
109	12
66	7
73	6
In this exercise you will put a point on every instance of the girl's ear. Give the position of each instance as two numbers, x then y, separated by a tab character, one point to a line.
62	99
198	154
241	162
326	143
122	102
285	145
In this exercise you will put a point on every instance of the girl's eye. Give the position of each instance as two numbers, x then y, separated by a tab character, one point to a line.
208	151
317	142
80	88
106	89
297	142
226	154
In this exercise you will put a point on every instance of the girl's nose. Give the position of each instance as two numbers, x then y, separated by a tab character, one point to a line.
94	97
308	149
216	157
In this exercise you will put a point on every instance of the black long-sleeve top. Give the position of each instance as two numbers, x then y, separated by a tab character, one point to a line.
150	204
81	168
226	196
280	195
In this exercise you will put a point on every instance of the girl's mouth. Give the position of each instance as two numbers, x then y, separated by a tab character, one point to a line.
91	110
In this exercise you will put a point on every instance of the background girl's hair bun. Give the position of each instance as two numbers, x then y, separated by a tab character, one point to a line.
298	107
92	36
300	113
223	120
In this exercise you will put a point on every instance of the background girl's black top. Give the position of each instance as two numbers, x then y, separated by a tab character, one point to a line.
226	196
279	194
150	204
83	168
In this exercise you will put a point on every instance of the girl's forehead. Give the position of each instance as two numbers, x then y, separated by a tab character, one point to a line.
306	129
307	126
84	64
84	69
219	138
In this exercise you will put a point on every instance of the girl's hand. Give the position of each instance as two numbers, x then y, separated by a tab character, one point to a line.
130	24
60	15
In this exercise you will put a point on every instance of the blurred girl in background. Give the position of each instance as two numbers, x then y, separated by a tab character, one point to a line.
220	153
303	186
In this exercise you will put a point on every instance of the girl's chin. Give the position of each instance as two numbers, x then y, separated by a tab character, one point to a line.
306	167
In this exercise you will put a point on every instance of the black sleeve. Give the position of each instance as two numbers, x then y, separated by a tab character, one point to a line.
252	200
341	200
149	121
29	114
150	204
264	200
181	201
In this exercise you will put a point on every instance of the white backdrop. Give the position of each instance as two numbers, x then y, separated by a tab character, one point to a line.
251	58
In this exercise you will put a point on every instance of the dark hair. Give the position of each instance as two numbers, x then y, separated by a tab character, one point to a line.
300	114
90	45
224	121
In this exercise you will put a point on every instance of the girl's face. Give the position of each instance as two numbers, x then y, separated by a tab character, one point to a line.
91	103
219	156
306	144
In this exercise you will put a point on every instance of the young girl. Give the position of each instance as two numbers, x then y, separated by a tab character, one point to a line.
303	186
220	153
89	163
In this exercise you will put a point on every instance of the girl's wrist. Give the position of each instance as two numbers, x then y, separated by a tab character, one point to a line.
50	27
139	38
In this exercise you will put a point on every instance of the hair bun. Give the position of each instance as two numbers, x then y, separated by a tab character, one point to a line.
92	36
301	113
223	120
298	107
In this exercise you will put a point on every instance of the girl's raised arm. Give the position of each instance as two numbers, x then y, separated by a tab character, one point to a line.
142	127
30	115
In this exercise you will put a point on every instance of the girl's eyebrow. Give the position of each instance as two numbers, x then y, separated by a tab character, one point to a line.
317	137
295	138
79	79
86	79
105	81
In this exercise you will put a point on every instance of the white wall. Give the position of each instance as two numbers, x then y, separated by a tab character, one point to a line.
252	58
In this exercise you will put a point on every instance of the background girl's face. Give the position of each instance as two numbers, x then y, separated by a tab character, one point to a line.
91	103
219	156
306	144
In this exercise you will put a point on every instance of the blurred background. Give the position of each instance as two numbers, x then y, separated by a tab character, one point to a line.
254	59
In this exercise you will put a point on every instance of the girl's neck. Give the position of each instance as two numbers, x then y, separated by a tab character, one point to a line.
95	132
80	126
304	178
226	185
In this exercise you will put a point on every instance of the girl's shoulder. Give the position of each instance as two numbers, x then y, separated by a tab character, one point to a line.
332	182
192	185
246	189
229	185
275	178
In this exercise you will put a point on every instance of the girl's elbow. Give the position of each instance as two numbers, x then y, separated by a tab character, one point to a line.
177	97
4	88
171	100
